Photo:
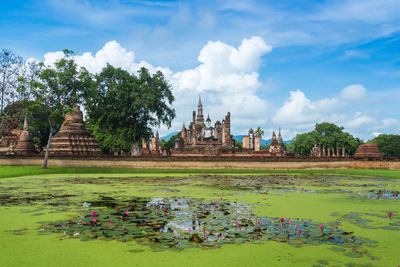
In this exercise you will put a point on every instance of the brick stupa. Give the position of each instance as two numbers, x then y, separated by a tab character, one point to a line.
367	151
25	144
72	139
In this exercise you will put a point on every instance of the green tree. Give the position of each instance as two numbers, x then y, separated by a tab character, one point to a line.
259	132
238	144
10	64
122	108
59	88
388	144
326	135
170	143
15	113
264	147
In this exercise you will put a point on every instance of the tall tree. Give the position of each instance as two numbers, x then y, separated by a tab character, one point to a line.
10	64
122	109
59	88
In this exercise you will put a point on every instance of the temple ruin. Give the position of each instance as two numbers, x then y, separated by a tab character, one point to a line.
368	151
202	138
72	139
25	145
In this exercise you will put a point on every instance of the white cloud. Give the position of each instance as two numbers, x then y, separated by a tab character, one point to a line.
353	92
376	134
226	78
354	54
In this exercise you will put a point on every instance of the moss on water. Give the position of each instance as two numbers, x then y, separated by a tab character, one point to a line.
330	200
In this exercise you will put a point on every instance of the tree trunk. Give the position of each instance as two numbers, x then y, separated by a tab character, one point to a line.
46	156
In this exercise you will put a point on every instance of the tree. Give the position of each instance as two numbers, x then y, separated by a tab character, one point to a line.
264	147
10	64
259	132
123	108
14	114
238	144
388	144
60	87
326	135
170	143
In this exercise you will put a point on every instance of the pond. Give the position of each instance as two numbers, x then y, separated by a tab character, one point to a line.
208	212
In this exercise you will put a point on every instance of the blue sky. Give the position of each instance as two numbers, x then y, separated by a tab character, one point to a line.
302	62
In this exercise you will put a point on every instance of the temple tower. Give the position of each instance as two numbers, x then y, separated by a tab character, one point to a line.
25	144
280	140
200	116
72	139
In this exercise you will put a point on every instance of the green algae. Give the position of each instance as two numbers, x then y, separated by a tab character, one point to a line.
33	219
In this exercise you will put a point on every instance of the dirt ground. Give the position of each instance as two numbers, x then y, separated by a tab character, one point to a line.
182	164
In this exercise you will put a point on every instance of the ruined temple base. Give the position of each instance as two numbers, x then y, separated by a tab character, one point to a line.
205	164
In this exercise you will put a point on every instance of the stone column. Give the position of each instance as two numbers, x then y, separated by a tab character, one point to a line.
257	140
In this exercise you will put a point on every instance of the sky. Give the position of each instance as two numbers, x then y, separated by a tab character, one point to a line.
274	64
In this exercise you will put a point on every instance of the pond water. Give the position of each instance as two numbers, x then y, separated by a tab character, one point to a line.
175	213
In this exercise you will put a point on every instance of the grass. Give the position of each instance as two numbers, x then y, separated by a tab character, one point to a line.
17	171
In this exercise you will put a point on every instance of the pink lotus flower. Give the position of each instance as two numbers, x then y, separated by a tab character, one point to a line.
390	215
288	221
94	214
299	232
127	212
235	211
110	220
295	227
123	227
94	220
331	236
189	230
106	226
305	190
48	201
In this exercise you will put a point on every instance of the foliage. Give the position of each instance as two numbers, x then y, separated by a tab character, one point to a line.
170	143
14	114
10	64
238	144
264	147
388	144
326	135
122	108
259	132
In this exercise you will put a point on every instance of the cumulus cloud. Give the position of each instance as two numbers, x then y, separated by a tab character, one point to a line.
226	78
353	92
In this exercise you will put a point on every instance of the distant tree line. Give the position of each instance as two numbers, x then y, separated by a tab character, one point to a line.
326	135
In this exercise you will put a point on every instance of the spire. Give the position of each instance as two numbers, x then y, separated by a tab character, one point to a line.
208	118
200	118
280	136
273	137
26	124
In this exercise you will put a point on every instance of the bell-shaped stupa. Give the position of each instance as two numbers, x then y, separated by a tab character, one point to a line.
25	144
72	139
